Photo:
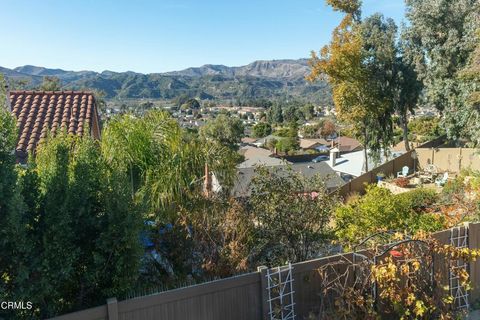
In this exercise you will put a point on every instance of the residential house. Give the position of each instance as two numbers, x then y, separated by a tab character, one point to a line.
314	144
347	144
351	165
39	113
259	156
242	186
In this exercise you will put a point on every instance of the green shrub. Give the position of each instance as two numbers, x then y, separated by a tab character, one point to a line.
381	210
418	198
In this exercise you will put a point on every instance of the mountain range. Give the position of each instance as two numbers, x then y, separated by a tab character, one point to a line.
265	79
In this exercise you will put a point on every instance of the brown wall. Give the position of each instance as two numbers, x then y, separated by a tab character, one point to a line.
392	167
244	297
449	159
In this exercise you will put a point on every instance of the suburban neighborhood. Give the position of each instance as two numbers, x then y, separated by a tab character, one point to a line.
327	167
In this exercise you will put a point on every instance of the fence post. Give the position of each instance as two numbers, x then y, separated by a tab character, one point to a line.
460	156
474	243
112	308
263	286
433	156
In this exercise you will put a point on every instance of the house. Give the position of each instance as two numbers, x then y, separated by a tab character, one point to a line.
242	185
39	113
314	144
352	164
258	156
347	144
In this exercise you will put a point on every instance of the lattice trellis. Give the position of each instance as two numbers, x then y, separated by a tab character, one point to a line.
459	239
280	293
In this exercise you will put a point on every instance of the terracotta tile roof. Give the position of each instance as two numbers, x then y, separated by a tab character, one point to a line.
313	143
40	112
347	144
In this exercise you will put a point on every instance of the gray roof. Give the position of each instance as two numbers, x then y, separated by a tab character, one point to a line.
262	160
353	163
242	187
259	156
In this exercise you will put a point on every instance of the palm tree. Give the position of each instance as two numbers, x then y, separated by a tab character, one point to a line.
166	165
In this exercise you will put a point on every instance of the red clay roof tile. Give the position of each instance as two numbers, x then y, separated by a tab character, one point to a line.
38	112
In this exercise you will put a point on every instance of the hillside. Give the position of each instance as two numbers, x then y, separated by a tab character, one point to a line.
275	79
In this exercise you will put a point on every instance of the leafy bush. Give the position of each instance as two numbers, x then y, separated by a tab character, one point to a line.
286	132
425	129
380	210
418	199
287	145
261	130
405	286
292	216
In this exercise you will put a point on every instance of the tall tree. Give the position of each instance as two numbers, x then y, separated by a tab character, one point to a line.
348	63
228	131
406	92
379	58
275	114
469	78
441	34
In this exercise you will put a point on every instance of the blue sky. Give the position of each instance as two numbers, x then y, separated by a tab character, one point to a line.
165	35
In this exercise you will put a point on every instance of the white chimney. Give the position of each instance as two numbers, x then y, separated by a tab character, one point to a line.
333	156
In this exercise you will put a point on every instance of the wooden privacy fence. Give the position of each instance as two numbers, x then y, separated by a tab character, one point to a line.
449	159
391	167
247	297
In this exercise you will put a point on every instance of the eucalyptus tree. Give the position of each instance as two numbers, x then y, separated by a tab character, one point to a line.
442	38
405	93
379	52
469	77
359	65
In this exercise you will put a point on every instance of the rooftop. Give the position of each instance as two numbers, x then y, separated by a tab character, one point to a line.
313	143
347	144
39	113
308	170
259	156
353	163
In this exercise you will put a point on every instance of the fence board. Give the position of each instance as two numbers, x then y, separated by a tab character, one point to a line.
240	298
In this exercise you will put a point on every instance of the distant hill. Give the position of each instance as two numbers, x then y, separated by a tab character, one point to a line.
273	79
286	69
